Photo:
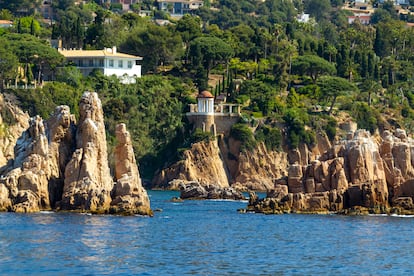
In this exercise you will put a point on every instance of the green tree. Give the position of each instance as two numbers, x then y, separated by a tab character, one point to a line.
333	87
156	44
370	87
20	5
242	41
244	134
208	52
95	35
8	64
5	14
62	4
312	66
189	28
70	75
318	9
295	121
33	53
29	25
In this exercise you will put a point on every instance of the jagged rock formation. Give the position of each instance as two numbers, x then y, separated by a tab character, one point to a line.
254	170
64	166
362	174
88	182
13	122
258	169
369	173
128	194
202	163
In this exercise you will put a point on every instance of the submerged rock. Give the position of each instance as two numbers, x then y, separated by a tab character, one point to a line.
194	190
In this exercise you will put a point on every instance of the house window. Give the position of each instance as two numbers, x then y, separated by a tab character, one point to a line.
91	63
111	63
129	64
120	63
101	63
80	63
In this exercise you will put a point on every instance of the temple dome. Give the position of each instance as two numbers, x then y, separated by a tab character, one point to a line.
205	94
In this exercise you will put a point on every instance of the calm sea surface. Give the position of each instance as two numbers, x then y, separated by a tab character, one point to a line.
204	238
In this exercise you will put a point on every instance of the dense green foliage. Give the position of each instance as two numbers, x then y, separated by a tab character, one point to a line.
244	134
294	78
271	136
152	110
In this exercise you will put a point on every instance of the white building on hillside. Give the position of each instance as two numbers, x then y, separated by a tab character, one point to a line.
109	61
179	7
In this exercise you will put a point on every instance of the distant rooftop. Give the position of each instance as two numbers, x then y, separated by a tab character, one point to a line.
107	52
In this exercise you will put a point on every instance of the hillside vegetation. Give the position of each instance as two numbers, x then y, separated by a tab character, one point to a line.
305	76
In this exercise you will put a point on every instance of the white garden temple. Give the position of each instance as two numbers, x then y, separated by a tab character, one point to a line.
213	117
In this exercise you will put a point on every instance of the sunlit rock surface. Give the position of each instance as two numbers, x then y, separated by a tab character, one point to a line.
60	164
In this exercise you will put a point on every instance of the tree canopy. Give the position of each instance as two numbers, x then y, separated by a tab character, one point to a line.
312	66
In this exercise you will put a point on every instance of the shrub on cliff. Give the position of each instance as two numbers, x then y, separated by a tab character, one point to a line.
271	136
43	100
199	135
295	120
365	116
330	127
242	133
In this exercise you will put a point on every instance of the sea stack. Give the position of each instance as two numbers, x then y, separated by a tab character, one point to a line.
129	196
88	182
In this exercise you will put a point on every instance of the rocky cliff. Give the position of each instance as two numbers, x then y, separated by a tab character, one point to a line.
374	173
202	163
60	164
212	163
13	122
361	174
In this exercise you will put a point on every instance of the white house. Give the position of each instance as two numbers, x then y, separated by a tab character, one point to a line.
6	23
109	61
179	7
365	19
303	17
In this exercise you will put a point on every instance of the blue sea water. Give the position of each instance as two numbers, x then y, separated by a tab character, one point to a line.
204	238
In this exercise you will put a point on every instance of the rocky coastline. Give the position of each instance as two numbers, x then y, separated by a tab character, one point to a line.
62	165
360	174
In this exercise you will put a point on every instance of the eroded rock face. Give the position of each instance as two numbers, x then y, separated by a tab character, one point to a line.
64	166
202	163
88	182
27	179
258	170
17	122
364	172
206	163
129	196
